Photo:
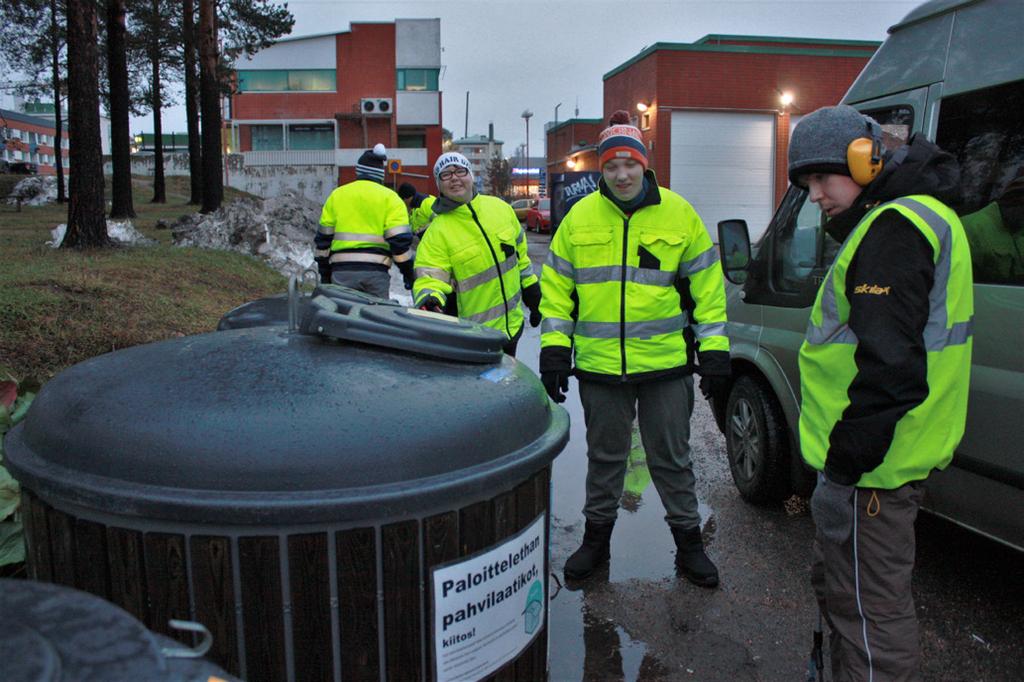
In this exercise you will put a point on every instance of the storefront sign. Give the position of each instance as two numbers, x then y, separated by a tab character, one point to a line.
488	608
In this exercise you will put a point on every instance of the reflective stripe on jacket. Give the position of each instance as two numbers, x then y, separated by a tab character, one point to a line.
364	222
627	274
477	251
926	435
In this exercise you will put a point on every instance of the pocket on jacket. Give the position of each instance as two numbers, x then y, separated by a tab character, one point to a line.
664	247
591	247
468	261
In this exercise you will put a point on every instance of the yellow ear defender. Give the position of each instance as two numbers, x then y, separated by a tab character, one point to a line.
864	155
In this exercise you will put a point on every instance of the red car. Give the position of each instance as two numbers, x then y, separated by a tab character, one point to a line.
538	217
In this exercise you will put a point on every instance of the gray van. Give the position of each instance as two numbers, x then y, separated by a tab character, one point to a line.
953	71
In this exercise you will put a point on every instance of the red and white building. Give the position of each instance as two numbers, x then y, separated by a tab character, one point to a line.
324	99
27	138
713	116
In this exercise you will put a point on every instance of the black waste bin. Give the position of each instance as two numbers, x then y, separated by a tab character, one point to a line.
52	633
364	500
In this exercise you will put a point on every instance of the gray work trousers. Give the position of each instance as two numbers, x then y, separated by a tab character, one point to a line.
863	589
374	282
663	410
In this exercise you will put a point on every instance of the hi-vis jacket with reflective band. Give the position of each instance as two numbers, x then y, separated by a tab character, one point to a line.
420	217
625	273
925	436
364	222
478	251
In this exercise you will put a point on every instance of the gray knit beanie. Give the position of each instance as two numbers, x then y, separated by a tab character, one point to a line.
820	140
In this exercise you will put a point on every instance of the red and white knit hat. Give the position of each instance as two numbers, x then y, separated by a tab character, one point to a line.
621	140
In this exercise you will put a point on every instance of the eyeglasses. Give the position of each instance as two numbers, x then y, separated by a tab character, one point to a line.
459	172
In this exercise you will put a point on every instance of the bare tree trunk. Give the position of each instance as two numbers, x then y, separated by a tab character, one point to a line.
121	205
192	104
87	226
209	92
58	124
159	187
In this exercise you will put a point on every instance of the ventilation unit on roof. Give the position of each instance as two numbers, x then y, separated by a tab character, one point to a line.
376	106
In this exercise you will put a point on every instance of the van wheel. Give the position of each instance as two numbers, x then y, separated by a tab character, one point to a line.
756	441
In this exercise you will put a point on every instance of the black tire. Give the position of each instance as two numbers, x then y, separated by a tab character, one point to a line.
757	443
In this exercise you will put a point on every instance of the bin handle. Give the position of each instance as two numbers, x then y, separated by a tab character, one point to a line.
294	293
184	651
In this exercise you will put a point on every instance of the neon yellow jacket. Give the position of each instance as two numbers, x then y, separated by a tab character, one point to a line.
365	223
420	217
630	276
926	435
477	251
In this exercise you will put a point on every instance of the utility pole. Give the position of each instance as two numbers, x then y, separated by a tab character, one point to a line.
526	117
466	131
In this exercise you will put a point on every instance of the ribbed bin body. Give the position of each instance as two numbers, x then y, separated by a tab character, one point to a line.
292	494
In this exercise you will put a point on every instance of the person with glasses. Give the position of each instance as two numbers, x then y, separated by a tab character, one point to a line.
473	260
364	227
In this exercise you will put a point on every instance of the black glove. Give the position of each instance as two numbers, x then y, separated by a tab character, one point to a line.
432	304
325	272
535	317
555	368
408	274
556	383
715	387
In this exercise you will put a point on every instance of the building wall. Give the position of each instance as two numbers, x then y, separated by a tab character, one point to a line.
20	147
573	137
365	60
728	81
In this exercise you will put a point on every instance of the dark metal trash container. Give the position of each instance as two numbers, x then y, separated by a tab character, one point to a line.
56	634
305	496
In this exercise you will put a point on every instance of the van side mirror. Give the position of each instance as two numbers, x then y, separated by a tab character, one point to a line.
734	248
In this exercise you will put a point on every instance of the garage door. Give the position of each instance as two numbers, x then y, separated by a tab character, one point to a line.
723	163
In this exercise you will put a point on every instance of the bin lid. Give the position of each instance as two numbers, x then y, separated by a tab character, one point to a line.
52	633
253	424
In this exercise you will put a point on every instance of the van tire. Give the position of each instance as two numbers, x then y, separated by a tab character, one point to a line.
756	442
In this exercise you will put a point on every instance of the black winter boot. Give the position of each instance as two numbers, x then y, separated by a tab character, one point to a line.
592	553
691	560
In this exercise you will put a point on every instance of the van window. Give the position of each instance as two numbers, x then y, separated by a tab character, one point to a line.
984	130
796	251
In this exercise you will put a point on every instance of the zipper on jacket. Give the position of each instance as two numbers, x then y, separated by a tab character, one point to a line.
622	298
494	257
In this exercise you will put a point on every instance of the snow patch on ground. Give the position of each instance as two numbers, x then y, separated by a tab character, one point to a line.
279	230
119	231
35	190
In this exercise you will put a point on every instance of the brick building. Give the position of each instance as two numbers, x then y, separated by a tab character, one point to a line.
712	116
325	99
30	139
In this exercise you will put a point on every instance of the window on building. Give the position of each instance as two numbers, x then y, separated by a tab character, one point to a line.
311	136
412	139
267	138
418	79
983	130
288	80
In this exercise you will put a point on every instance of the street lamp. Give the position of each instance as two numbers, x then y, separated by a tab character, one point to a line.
526	117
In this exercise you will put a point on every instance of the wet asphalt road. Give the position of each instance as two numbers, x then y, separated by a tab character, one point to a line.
637	621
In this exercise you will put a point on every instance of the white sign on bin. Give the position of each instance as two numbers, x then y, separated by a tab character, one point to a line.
489	607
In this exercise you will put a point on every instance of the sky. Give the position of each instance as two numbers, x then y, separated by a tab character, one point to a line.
537	54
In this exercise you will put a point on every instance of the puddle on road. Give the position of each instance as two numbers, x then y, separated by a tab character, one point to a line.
586	646
582	644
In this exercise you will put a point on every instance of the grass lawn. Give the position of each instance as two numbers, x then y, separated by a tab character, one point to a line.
59	307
